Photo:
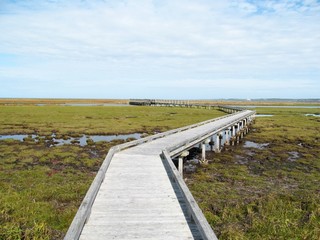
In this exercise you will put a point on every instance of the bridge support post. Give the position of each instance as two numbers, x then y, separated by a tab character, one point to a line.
232	131
180	162
222	139
233	134
203	150
217	143
212	143
227	137
245	130
180	165
238	137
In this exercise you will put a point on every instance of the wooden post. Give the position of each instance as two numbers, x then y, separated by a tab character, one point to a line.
217	143
203	148
203	154
227	137
180	163
212	143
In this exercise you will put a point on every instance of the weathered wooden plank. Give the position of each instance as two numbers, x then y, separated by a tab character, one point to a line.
137	231
139	220
137	197
85	207
197	215
139	213
145	235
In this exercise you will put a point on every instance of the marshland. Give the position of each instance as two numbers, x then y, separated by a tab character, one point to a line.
246	192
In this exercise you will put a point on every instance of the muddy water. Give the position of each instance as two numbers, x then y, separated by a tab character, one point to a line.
249	144
82	141
19	137
255	106
312	115
293	156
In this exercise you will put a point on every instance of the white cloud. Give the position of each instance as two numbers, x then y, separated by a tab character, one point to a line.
163	40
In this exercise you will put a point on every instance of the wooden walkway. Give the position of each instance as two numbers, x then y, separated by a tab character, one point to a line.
182	103
137	201
141	196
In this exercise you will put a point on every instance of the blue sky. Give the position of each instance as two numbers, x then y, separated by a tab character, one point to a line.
177	49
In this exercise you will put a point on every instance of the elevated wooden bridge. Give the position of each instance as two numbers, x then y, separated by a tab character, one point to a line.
183	103
138	192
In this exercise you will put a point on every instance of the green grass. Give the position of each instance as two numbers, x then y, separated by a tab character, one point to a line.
260	193
41	187
244	193
96	119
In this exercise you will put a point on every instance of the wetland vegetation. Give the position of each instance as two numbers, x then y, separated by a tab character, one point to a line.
269	189
270	192
42	186
95	120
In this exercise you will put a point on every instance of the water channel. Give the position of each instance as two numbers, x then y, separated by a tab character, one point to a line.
254	106
82	141
312	115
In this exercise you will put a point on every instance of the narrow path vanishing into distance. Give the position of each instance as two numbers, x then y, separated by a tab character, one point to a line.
138	193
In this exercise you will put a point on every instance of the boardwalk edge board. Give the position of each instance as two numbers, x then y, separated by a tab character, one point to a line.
84	210
193	208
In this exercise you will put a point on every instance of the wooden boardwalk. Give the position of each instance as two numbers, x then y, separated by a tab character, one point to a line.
137	201
182	103
141	196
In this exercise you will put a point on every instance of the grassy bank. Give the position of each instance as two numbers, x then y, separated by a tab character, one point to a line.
70	120
41	187
267	193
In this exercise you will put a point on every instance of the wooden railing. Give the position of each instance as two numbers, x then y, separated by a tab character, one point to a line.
183	145
183	103
231	108
84	210
164	102
193	209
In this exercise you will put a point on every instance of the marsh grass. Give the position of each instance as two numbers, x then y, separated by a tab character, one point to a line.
96	120
41	187
265	195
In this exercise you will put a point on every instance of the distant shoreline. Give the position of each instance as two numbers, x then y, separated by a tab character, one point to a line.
58	101
241	102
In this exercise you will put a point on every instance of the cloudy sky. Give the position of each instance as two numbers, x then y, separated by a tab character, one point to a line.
177	49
